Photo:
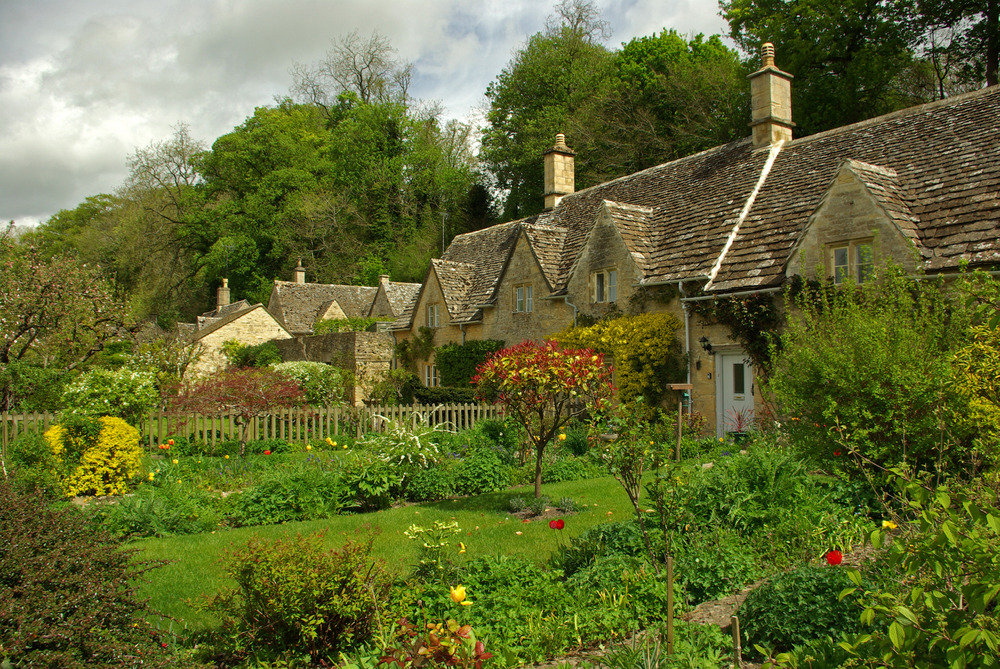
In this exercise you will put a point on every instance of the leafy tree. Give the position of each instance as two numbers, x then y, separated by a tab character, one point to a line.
125	393
847	57
536	96
544	386
248	393
53	311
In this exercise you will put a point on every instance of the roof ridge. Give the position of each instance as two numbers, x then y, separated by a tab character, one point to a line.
899	113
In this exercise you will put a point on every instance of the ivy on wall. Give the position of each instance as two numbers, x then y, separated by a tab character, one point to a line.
646	350
418	347
752	321
457	363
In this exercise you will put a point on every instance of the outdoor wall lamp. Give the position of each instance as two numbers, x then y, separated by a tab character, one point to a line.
705	344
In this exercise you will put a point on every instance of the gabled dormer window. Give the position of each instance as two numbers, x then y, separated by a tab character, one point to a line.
604	286
432	315
853	260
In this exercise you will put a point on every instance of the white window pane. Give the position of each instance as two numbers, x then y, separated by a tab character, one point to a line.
519	299
613	286
840	264
866	262
529	299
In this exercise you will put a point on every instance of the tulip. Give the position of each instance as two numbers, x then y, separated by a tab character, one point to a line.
174	461
888	525
461	548
457	594
267	452
170	442
557	524
833	558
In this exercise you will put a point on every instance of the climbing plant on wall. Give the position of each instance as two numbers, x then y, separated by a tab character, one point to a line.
457	362
752	320
418	347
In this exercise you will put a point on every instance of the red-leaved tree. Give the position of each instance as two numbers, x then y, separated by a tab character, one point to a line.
544	387
246	392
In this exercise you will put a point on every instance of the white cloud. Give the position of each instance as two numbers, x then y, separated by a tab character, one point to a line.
83	84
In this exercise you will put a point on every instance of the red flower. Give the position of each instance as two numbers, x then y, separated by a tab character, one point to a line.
170	442
267	452
837	453
557	524
833	558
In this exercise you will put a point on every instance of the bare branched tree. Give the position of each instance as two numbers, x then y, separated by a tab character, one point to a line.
581	18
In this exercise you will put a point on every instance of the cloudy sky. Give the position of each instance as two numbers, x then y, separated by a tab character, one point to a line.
83	83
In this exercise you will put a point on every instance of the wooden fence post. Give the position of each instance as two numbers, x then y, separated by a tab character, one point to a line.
734	627
670	605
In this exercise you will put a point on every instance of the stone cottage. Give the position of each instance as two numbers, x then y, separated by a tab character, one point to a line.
919	188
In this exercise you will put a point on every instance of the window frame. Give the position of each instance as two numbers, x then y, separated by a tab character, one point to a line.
524	298
432	377
432	315
604	286
854	269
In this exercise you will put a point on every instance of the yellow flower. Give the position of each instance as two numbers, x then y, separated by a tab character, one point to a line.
151	475
461	548
888	525
344	446
562	437
175	461
457	594
329	442
308	447
227	457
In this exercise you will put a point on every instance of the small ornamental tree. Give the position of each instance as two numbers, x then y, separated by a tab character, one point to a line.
544	386
248	393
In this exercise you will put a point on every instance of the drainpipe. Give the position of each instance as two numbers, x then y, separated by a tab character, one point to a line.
461	327
687	341
575	310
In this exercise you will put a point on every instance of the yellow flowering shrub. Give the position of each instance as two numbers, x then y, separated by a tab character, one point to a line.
647	353
103	466
976	368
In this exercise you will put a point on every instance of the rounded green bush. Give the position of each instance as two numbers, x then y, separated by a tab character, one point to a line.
794	607
482	471
430	485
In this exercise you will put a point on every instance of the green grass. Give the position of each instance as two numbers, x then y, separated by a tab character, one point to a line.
196	563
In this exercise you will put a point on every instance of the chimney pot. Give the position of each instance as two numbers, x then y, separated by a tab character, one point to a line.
383	279
770	101
222	294
559	172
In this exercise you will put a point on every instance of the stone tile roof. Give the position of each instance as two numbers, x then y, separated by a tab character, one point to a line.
895	199
456	280
231	315
221	312
300	304
401	295
633	226
546	243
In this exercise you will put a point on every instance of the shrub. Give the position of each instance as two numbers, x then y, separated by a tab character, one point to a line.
126	393
867	371
458	362
571	469
32	463
158	511
481	471
101	466
247	355
66	593
714	563
502	433
430	485
442	395
372	484
622	538
796	606
322	384
295	597
395	387
303	495
258	446
348	324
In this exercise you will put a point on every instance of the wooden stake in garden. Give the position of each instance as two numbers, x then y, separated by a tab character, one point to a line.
734	627
670	605
680	389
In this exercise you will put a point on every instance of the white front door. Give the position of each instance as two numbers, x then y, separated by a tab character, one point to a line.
734	390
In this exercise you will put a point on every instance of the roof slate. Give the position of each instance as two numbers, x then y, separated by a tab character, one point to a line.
401	295
301	303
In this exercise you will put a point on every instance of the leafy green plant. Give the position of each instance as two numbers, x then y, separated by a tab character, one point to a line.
159	510
372	484
251	355
797	606
481	471
458	362
303	495
941	606
125	393
430	485
66	592
714	563
296	598
412	444
622	538
434	545
322	384
32	464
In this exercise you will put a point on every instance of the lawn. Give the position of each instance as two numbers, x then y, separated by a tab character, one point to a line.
195	563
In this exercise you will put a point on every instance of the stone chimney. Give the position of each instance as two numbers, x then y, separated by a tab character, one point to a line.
222	295
770	101
559	174
300	273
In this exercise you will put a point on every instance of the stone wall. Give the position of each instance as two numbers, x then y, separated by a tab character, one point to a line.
604	250
253	327
547	316
367	354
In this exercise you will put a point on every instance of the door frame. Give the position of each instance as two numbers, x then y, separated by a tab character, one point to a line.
720	397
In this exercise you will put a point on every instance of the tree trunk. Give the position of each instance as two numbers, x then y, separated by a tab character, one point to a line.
538	472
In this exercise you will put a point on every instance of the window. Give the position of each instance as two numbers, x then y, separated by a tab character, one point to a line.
431	377
524	300
854	260
432	315
605	285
